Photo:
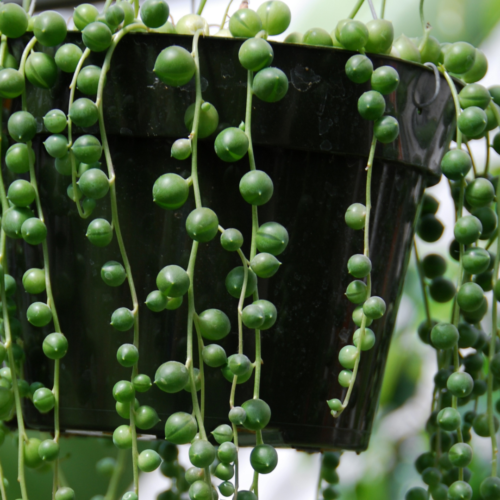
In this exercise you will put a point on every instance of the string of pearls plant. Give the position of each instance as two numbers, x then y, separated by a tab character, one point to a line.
80	160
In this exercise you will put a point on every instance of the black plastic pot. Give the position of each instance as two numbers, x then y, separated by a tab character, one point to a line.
314	145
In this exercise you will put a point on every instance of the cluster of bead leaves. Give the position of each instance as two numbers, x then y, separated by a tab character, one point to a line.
175	66
462	376
371	106
80	160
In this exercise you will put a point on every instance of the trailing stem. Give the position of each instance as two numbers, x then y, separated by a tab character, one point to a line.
356	8
382	10
487	163
2	485
17	398
454	94
422	18
193	136
366	253
121	460
459	212
46	265
226	12
8	335
422	285
494	334
201	7
116	226
72	88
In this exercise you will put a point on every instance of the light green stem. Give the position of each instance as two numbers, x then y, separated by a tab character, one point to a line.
72	88
226	12
494	334
50	303
201	345
22	66
189	361
474	168
422	18
358	5
366	252
201	7
194	249
456	309
487	163
241	302
235	440
454	94
196	121
382	10
117	228
248	120
15	388
8	336
121	460
456	314
3	49
423	286
2	486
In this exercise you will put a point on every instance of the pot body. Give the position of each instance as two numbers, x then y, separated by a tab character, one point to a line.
314	146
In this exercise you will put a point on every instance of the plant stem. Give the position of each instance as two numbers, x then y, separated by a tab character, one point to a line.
194	249
8	336
487	164
255	228
422	18
72	88
201	7
382	10
456	309
494	334
17	398
226	12
366	252
456	313
248	121
196	121
474	169
454	94
422	285
117	228
320	479
200	363
372	9
2	486
189	361
258	364
121	460
354	11
22	66
50	302
235	440
242	300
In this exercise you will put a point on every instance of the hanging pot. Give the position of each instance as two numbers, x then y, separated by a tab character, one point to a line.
314	145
